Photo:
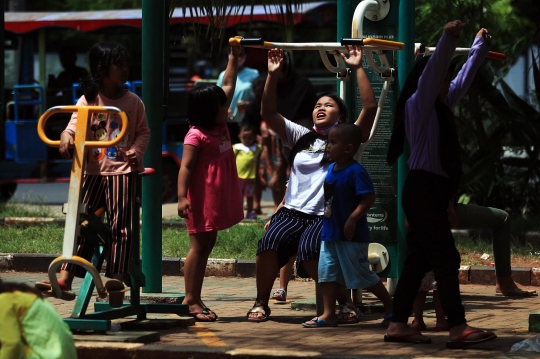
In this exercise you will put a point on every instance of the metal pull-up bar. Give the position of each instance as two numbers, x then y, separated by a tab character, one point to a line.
420	48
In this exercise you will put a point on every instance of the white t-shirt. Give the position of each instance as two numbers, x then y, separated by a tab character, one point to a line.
306	190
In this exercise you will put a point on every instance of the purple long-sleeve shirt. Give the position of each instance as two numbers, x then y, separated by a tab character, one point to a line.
421	124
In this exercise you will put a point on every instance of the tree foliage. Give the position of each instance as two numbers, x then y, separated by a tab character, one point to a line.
492	119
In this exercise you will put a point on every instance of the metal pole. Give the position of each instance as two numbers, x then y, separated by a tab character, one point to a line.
345	11
42	58
153	42
405	60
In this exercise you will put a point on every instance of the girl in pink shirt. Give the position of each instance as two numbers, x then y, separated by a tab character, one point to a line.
111	174
208	191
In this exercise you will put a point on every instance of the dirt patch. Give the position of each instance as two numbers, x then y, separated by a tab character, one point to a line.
473	259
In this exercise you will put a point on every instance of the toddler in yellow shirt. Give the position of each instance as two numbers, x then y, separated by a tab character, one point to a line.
247	153
31	326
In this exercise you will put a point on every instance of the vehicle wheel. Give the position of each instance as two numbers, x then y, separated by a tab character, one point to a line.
6	191
170	182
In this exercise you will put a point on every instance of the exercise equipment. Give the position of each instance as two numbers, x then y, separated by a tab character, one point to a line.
374	10
80	219
421	49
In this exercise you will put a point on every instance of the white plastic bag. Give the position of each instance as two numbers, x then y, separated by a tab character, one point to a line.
530	345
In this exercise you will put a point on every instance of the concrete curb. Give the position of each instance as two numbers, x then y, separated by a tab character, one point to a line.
174	266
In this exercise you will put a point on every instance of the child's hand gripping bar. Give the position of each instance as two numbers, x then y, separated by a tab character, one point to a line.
335	48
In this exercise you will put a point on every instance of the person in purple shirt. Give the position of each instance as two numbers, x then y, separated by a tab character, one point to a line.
424	114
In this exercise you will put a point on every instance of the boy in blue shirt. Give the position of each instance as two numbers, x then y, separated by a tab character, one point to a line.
348	196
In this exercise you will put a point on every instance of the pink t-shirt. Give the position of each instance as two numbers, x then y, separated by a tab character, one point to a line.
214	191
106	127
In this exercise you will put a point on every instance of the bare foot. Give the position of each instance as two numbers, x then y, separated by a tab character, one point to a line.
418	325
441	326
402	332
507	287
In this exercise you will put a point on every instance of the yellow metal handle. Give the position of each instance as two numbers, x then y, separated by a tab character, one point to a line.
57	262
83	114
255	43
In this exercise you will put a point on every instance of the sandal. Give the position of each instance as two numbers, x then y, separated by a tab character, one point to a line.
386	320
318	323
280	295
259	307
45	288
348	314
116	290
463	342
209	316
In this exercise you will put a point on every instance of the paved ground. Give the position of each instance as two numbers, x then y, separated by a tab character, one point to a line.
283	334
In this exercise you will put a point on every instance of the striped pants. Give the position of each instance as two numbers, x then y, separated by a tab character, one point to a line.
118	195
293	232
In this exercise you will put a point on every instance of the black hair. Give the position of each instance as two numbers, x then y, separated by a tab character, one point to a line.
342	106
103	54
309	138
203	105
68	51
247	126
287	68
395	147
350	133
6	287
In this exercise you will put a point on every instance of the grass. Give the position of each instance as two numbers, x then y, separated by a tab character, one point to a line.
239	242
24	210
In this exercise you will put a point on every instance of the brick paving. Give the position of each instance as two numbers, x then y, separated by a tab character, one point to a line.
231	298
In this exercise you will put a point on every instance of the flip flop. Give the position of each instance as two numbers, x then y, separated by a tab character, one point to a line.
46	285
206	312
46	289
116	290
318	323
211	312
407	338
280	295
518	292
462	343
347	314
386	320
259	307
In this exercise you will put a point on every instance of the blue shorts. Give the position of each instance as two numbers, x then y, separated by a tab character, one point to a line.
346	263
293	232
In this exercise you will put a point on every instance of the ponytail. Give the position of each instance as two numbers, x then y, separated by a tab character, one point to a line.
90	88
303	143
